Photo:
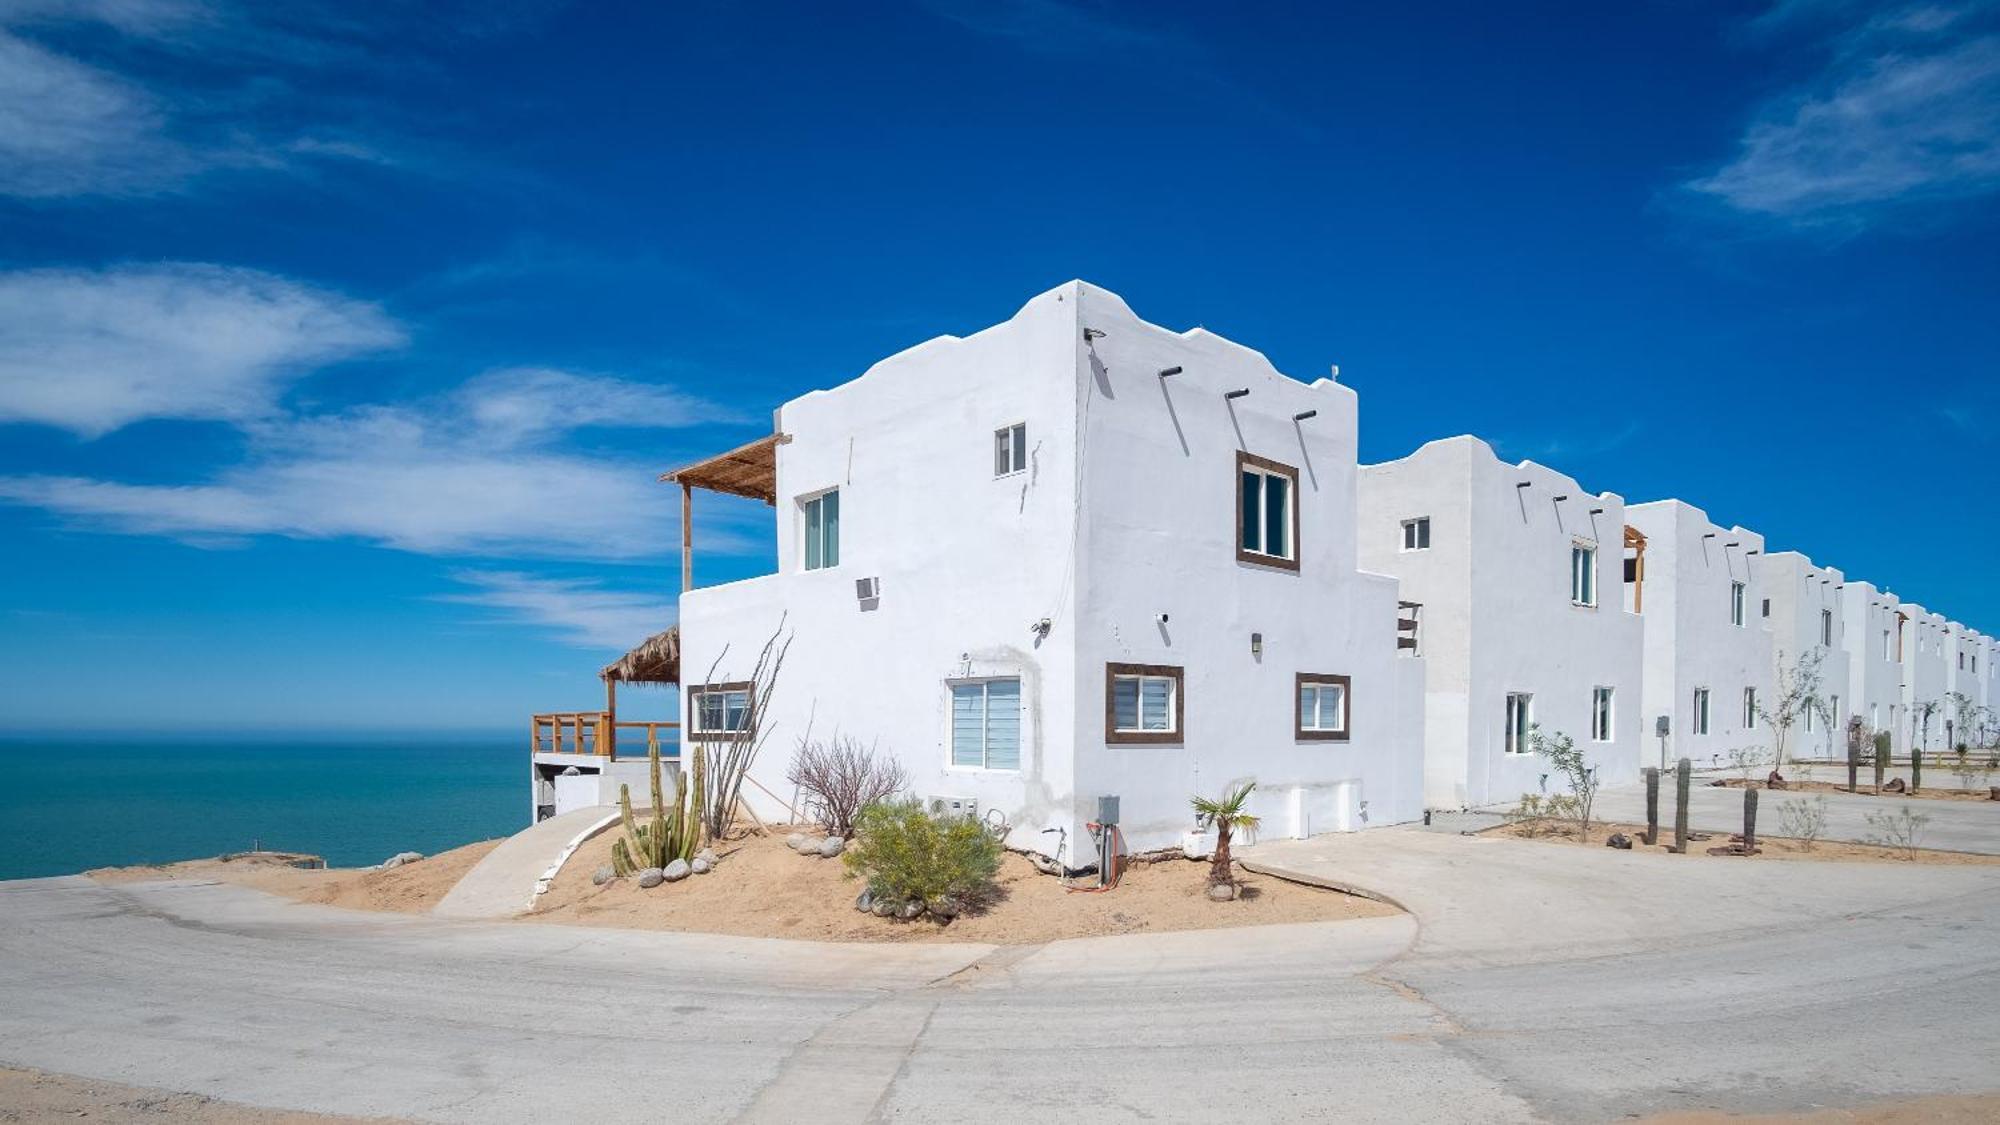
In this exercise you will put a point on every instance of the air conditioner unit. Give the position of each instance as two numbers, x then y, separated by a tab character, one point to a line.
955	806
867	589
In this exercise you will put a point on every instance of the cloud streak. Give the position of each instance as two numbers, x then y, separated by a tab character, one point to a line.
90	351
1906	110
584	614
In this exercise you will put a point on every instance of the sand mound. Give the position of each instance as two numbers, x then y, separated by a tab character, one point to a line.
410	889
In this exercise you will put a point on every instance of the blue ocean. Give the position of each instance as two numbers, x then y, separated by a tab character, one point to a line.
73	802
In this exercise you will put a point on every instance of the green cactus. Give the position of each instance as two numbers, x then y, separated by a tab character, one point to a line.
671	834
699	808
1916	770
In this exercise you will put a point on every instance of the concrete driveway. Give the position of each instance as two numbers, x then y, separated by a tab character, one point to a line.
1957	826
1541	984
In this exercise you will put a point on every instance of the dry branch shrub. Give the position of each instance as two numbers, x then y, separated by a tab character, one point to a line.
841	777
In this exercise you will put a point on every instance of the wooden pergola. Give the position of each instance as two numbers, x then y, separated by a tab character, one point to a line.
1635	541
657	660
749	470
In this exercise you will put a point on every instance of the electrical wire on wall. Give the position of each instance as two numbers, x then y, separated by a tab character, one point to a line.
1115	853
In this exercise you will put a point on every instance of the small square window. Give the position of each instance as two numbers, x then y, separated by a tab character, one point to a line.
1267	512
1417	534
719	708
1010	449
1322	709
1142	703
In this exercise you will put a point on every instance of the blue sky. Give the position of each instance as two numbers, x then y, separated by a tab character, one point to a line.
340	344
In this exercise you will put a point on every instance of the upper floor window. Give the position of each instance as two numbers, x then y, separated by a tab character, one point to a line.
1417	534
1600	714
1010	449
719	708
1142	703
822	525
1826	627
1736	599
1322	710
1583	574
1520	721
986	724
1267	512
1888	653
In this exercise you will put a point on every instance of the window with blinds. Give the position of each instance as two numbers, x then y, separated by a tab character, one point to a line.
986	724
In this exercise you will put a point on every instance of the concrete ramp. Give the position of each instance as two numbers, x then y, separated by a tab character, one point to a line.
506	881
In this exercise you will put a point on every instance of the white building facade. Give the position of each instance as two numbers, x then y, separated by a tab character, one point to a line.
1708	656
1801	605
1075	556
1512	573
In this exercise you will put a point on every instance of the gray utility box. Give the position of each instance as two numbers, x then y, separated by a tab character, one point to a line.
1107	810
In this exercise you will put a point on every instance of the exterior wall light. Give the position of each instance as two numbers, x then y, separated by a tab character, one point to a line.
1256	644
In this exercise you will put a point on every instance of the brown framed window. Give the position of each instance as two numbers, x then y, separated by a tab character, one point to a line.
720	709
1143	703
1322	706
1267	512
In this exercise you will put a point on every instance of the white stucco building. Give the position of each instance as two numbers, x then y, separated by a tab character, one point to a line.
1071	556
1872	625
1801	606
1924	687
1708	656
1512	573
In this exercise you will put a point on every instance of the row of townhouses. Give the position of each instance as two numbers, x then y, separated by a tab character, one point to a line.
1078	555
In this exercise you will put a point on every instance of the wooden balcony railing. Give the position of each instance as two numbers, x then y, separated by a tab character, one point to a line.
593	732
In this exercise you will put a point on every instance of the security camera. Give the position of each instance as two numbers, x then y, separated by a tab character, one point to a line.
1162	619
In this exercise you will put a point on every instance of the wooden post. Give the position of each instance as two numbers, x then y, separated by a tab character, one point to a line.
1749	822
687	537
607	739
1683	777
577	721
1652	806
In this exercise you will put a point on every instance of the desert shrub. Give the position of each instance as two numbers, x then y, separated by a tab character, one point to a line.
841	777
1804	821
1538	815
908	855
1901	830
1746	760
1576	772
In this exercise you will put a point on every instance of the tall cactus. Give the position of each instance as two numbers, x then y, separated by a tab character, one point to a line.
1916	770
699	809
671	834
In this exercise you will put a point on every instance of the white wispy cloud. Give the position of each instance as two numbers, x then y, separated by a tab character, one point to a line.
92	350
581	613
1906	109
70	129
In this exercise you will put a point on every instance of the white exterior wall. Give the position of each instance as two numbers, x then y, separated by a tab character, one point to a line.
1799	592
1874	676
1965	658
1924	706
1498	616
1158	536
1127	511
1690	641
967	563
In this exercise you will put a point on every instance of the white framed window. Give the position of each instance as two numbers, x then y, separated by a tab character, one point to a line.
821	521
1583	574
719	708
1874	716
1888	650
1701	710
1520	719
1749	708
1267	512
1142	703
1826	628
986	724
1417	534
1010	449
1600	714
1322	707
1736	599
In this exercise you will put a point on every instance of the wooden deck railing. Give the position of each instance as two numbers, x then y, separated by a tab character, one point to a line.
585	732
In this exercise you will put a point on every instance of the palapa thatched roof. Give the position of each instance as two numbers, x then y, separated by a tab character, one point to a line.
657	660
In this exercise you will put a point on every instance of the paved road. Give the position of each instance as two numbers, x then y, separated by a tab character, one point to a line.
1545	984
1959	826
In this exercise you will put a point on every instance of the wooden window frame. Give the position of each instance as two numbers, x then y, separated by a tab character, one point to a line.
1299	729
1278	468
696	691
1114	736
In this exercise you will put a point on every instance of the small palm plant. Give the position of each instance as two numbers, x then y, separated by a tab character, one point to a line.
1228	815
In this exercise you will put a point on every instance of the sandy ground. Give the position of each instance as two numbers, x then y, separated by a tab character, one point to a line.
1933	790
1963	1109
1768	847
410	889
34	1095
761	889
